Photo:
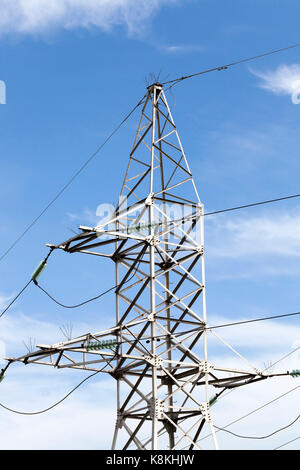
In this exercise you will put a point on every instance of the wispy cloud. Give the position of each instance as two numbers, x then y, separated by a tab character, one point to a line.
264	234
181	49
241	247
39	16
285	80
258	339
86	216
34	388
4	299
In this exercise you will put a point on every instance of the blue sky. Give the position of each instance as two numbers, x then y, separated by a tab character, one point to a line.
72	72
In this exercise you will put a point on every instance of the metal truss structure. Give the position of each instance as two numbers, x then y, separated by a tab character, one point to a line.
158	353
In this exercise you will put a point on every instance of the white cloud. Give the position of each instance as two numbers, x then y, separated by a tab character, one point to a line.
38	16
87	216
264	421
242	236
274	336
17	328
77	423
285	80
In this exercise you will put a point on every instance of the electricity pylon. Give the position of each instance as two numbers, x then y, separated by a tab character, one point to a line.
157	348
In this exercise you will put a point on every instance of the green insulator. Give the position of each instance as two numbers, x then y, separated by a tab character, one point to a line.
295	373
213	400
38	271
106	344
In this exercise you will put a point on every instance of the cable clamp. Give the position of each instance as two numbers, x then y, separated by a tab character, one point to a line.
154	361
204	408
153	241
205	366
156	408
149	200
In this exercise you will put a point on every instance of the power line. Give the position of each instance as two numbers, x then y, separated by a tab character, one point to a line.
172	82
286	443
258	437
234	208
59	303
52	406
77	305
235	323
257	409
38	270
254	411
253	320
234	389
281	359
89	300
266	404
15	298
226	66
222	326
58	402
253	204
70	181
266	368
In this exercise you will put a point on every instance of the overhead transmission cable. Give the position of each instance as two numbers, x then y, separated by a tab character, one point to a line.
58	402
171	83
232	324
258	437
36	273
234	389
266	368
77	305
15	298
238	419
235	208
257	409
254	411
91	299
226	66
39	270
286	443
70	181
52	406
243	322
224	325
253	204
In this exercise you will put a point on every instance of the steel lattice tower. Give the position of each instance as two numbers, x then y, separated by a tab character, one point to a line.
158	354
